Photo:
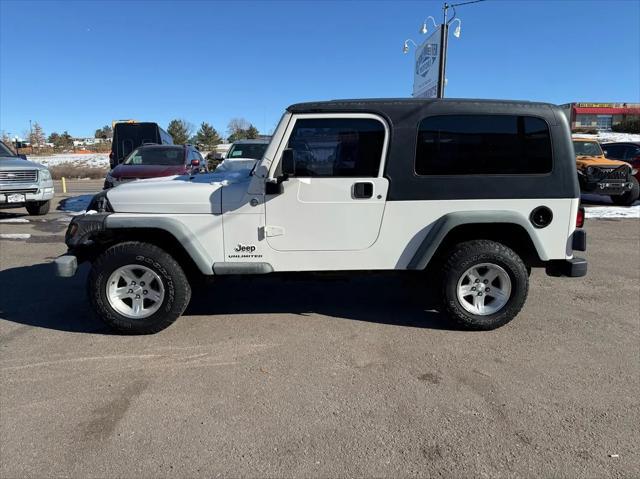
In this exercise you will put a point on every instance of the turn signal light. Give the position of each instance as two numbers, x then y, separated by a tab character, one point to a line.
580	218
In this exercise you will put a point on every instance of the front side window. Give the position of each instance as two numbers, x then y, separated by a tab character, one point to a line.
156	156
483	145
326	147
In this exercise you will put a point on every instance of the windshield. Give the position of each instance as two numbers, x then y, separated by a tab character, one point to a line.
156	156
247	150
587	148
5	151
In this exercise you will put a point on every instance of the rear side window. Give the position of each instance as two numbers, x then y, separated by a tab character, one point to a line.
483	145
329	147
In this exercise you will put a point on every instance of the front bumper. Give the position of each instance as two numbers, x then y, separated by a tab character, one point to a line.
32	192
66	265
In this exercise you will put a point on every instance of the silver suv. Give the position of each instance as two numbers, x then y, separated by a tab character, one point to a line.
24	183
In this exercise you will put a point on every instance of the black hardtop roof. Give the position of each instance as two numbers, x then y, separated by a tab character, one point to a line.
379	104
636	143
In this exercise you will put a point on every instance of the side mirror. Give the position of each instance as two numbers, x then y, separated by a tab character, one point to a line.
195	162
288	162
23	156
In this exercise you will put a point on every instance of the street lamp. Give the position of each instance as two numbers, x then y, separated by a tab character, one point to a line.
405	46
423	28
456	32
444	33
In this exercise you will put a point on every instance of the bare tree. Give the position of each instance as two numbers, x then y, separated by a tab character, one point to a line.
37	137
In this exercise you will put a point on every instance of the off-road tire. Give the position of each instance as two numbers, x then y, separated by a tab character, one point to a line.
38	208
630	197
462	257
176	285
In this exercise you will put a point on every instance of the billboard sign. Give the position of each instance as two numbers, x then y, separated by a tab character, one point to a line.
427	67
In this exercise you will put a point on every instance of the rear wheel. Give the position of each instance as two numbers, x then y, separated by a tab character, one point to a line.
630	197
485	284
138	288
38	208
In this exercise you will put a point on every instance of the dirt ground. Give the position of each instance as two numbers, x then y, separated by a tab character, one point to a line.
302	376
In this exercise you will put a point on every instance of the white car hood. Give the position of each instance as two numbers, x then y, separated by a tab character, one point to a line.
235	164
201	193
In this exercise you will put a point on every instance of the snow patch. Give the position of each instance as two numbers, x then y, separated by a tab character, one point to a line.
14	220
609	136
91	160
15	236
613	212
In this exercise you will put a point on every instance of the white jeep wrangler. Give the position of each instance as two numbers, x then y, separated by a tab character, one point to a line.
478	192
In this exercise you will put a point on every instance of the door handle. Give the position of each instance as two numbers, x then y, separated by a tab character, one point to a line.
362	190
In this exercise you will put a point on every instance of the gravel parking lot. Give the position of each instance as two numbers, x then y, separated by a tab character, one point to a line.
329	376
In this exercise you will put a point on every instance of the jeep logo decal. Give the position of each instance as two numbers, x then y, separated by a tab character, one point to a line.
244	248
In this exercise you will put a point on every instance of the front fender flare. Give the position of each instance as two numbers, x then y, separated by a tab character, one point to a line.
179	231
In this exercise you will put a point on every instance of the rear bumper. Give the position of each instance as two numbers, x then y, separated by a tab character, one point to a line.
571	268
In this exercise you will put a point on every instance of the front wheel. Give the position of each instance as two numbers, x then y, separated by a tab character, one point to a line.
485	284
38	208
138	288
630	197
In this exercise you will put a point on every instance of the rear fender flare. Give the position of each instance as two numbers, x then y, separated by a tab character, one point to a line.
441	228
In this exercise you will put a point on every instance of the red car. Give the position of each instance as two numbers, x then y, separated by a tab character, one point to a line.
153	161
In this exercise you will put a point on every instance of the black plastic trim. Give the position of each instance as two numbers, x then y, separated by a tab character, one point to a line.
82	228
541	222
579	240
571	268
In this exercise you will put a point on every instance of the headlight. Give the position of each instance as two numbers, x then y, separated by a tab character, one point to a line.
589	170
45	175
634	171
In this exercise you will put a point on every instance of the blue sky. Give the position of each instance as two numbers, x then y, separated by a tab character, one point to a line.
78	65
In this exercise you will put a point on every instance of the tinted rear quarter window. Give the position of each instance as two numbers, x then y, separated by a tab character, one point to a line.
483	145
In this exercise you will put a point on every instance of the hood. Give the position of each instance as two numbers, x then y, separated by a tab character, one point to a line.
146	171
200	193
584	161
19	164
236	164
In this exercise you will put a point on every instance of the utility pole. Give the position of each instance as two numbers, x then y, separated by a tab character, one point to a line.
444	35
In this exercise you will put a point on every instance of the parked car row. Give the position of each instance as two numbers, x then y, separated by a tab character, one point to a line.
606	174
153	161
164	160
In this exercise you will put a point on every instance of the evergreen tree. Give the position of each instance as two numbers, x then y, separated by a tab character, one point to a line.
180	131
252	132
207	136
240	129
66	141
106	133
54	138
